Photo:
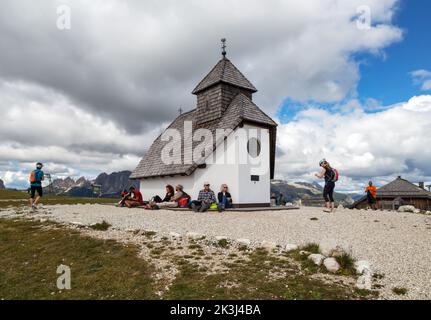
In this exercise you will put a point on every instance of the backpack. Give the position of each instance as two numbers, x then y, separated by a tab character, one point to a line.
184	200
32	177
336	175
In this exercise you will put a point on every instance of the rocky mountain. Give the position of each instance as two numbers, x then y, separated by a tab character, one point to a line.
111	185
2	185
309	193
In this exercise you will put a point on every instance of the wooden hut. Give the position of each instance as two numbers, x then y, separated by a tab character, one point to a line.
399	192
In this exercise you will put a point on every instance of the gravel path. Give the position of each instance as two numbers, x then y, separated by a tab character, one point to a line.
398	245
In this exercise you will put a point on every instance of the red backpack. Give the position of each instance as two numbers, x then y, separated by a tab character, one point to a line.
336	175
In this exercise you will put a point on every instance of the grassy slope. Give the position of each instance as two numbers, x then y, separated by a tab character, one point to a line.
31	251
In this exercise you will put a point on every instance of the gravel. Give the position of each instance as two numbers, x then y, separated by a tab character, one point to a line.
398	245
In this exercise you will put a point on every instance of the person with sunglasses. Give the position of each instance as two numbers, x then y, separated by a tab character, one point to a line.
224	198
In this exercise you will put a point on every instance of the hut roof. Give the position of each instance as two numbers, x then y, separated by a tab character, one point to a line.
224	71
241	110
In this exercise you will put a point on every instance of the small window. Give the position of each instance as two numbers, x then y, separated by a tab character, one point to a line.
253	147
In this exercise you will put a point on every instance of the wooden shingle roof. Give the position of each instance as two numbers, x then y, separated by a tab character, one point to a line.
402	188
224	71
241	109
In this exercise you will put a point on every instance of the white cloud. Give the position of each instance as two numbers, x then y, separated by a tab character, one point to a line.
361	145
423	78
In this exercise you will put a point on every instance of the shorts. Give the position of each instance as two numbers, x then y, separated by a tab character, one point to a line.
371	199
33	190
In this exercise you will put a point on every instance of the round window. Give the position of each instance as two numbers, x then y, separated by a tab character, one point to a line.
253	147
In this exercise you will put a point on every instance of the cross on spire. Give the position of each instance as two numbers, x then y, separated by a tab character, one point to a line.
223	46
180	110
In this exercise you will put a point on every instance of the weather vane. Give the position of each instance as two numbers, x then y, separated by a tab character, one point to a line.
223	46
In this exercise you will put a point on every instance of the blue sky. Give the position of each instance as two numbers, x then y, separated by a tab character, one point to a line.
385	78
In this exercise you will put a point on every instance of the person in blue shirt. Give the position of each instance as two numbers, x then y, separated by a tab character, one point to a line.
36	178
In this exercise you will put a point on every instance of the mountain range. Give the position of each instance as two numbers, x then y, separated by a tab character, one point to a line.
110	185
309	193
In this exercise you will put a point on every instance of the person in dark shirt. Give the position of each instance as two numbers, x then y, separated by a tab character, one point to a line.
224	198
328	191
36	178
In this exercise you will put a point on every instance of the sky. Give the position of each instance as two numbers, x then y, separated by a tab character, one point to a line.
349	81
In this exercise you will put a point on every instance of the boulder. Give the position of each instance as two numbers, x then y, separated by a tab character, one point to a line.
268	245
411	209
174	235
331	265
364	282
316	258
428	213
220	238
361	266
340	206
244	242
291	247
194	235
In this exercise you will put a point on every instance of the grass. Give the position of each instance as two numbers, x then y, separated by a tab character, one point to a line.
20	199
253	280
223	243
399	291
105	269
311	247
31	252
347	264
102	226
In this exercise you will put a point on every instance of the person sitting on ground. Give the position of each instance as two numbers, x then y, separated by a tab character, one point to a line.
36	178
135	199
206	197
281	201
125	195
371	192
169	194
328	191
173	201
224	198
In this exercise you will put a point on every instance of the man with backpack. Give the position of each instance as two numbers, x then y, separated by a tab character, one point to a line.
371	192
331	176
36	178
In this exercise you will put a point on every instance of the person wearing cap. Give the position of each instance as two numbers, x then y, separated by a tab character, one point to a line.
206	197
328	191
173	202
36	178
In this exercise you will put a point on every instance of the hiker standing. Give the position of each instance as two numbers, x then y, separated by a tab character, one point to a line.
330	176
371	192
36	178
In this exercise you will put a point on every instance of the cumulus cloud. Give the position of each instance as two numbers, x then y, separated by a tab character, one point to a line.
93	98
361	145
422	78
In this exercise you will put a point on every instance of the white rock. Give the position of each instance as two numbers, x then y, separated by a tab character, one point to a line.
244	242
220	238
174	235
407	209
304	253
340	206
291	247
364	282
316	258
361	266
79	224
331	265
194	235
417	211
428	213
268	245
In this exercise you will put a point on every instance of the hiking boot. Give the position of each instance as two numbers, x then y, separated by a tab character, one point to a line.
194	207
